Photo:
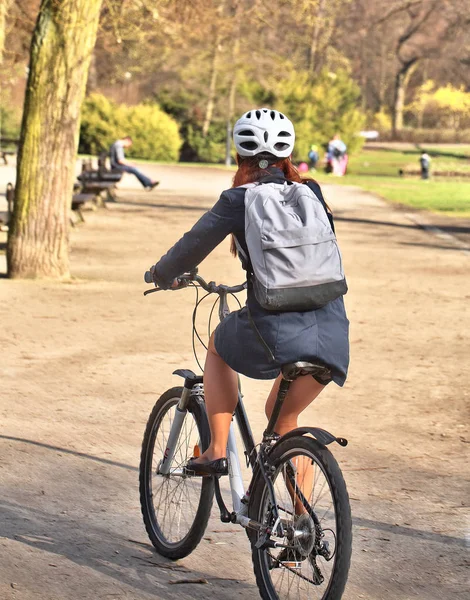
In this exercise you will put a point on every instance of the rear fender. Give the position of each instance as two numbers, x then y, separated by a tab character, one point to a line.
322	436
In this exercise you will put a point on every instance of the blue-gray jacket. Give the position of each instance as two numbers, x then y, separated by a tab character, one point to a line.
320	334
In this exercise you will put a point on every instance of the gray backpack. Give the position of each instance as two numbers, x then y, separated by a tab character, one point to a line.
294	256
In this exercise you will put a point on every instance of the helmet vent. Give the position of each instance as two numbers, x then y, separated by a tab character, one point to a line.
258	114
246	133
284	134
273	115
265	136
280	146
282	116
249	145
248	115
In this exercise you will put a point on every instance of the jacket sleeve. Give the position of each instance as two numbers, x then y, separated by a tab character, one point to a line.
313	185
196	244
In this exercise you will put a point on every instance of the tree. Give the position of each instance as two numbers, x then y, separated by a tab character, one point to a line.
4	6
61	48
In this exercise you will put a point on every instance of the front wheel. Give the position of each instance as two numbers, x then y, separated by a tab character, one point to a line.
175	506
313	534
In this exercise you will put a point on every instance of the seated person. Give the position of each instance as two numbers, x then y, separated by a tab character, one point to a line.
118	162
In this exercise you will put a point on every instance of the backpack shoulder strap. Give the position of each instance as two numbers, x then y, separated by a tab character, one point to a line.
313	185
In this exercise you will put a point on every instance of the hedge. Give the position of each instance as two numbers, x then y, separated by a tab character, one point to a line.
155	134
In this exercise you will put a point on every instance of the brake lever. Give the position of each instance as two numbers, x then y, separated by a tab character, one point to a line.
152	290
182	283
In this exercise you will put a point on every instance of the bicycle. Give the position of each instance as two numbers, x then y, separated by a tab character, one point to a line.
300	543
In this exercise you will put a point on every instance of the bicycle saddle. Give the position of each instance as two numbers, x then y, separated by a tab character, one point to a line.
293	370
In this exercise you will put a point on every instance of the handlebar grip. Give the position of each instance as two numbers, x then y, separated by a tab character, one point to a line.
148	277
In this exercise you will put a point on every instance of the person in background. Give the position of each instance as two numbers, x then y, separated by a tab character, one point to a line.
425	162
337	159
313	156
119	162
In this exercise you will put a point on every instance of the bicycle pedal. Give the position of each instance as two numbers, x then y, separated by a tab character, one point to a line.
291	564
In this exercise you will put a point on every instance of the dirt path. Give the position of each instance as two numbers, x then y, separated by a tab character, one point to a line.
82	364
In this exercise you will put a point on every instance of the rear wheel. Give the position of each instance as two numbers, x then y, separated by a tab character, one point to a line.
175	507
316	527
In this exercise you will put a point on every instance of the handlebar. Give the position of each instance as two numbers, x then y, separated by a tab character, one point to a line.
187	278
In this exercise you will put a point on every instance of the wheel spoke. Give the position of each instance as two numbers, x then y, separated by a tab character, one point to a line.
304	499
175	499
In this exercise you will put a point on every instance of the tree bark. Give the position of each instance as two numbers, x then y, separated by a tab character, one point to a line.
315	42
216	48
234	81
61	48
401	83
212	86
4	7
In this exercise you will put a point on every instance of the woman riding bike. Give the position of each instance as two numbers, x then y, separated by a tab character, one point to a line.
254	341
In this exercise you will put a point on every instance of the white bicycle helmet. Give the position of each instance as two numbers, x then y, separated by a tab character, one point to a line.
264	130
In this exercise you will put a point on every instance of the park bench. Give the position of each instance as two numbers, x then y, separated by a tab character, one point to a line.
79	199
6	149
5	153
5	216
101	181
442	172
102	191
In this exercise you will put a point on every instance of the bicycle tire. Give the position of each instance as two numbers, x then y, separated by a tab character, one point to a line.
343	538
181	547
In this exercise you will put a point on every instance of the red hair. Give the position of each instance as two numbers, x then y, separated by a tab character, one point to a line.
249	172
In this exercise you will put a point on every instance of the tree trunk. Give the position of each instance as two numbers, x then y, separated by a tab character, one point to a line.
401	83
315	42
233	82
4	7
61	48
212	86
92	80
216	48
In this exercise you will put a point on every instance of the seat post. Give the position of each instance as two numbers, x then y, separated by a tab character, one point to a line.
269	432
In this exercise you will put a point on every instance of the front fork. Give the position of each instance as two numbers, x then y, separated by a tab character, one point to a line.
176	426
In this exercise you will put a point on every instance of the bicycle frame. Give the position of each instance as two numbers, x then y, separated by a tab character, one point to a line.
258	460
193	385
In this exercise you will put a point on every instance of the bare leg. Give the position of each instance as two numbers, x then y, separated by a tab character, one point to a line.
221	397
301	393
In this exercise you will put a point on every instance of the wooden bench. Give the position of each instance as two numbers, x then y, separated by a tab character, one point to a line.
5	153
101	182
6	148
78	201
108	176
100	188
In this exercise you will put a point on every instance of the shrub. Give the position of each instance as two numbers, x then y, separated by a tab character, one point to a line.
445	107
99	126
211	148
10	120
382	121
321	107
155	134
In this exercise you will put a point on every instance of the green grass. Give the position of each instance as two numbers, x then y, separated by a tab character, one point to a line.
377	171
449	197
387	162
